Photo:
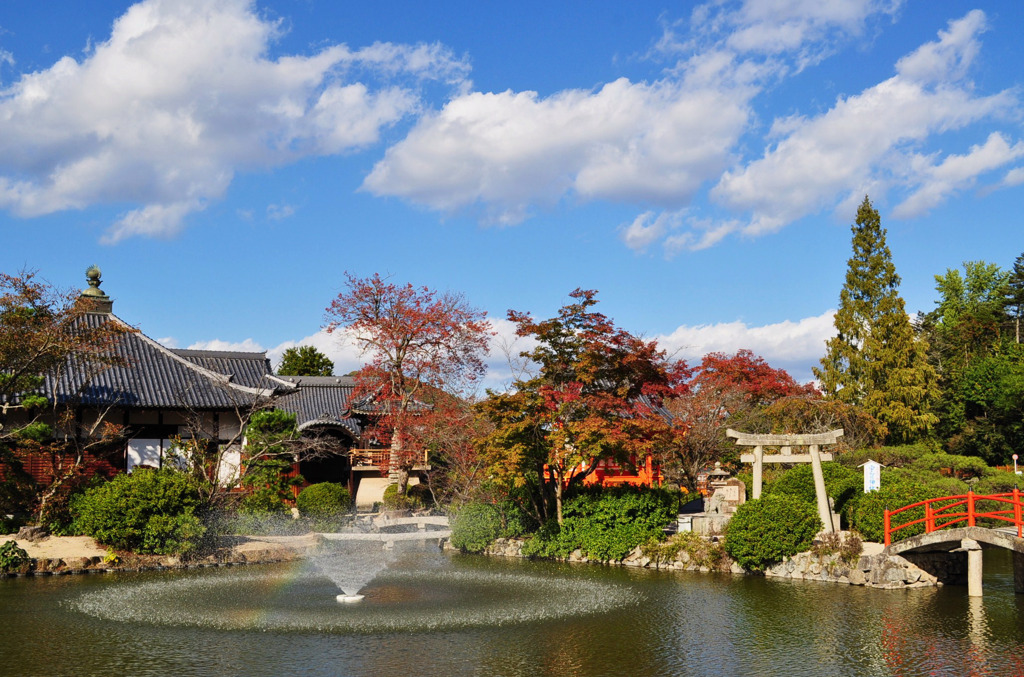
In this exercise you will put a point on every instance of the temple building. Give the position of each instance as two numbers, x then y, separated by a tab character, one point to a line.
159	394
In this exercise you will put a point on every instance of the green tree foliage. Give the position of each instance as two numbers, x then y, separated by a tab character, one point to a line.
596	394
305	361
766	530
1013	299
270	438
147	511
875	360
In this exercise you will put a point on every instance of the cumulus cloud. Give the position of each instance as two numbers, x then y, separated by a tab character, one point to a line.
662	144
180	97
956	172
505	152
868	139
341	352
794	346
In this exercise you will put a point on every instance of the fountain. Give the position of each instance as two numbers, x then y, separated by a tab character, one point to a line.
351	565
353	557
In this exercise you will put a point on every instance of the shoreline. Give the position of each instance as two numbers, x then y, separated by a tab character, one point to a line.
73	555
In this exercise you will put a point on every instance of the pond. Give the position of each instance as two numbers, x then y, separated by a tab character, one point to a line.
430	613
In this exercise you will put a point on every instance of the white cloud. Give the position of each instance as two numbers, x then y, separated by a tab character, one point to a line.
794	346
180	97
503	153
955	172
278	212
341	352
247	346
864	140
1014	177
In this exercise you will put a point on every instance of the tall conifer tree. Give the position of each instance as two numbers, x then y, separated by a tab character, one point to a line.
875	360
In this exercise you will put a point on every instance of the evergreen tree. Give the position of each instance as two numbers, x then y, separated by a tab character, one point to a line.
875	360
305	361
1014	299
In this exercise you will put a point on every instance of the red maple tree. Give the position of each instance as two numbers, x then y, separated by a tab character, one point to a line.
417	339
723	390
597	394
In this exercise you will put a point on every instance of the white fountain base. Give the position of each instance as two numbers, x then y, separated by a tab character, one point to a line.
349	599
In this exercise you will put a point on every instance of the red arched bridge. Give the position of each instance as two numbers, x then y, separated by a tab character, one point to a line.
958	524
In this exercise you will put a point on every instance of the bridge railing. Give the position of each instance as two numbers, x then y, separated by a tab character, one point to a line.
940	513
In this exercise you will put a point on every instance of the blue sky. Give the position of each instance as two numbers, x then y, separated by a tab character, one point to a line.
225	162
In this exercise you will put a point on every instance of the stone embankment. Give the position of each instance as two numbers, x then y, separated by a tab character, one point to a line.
875	570
237	551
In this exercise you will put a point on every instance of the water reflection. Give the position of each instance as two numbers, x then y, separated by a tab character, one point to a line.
606	622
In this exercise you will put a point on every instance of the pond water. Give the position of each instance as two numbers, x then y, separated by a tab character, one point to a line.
435	614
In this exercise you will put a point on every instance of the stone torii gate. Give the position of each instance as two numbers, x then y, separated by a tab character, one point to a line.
814	456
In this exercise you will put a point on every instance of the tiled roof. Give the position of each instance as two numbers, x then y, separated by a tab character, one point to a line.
320	401
152	377
245	368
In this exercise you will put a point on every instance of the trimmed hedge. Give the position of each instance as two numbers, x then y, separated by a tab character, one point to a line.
606	525
325	499
476	526
146	511
867	512
841	484
766	530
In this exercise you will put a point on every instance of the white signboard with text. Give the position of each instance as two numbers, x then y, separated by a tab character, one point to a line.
872	476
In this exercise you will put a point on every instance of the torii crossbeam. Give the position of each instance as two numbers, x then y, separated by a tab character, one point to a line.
814	456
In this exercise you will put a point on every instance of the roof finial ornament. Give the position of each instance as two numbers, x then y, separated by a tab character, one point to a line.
101	302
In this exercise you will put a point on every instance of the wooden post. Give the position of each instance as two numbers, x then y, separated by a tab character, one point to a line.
929	518
758	467
1016	512
824	510
970	507
887	539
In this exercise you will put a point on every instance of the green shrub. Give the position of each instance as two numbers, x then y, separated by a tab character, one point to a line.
12	557
764	531
963	467
515	521
418	496
323	500
476	526
700	551
263	501
867	511
607	524
841	484
998	482
891	457
146	511
551	541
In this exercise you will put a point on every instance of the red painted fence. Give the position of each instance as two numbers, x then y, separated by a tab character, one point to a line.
940	513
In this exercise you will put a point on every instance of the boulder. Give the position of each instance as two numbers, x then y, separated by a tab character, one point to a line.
32	534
